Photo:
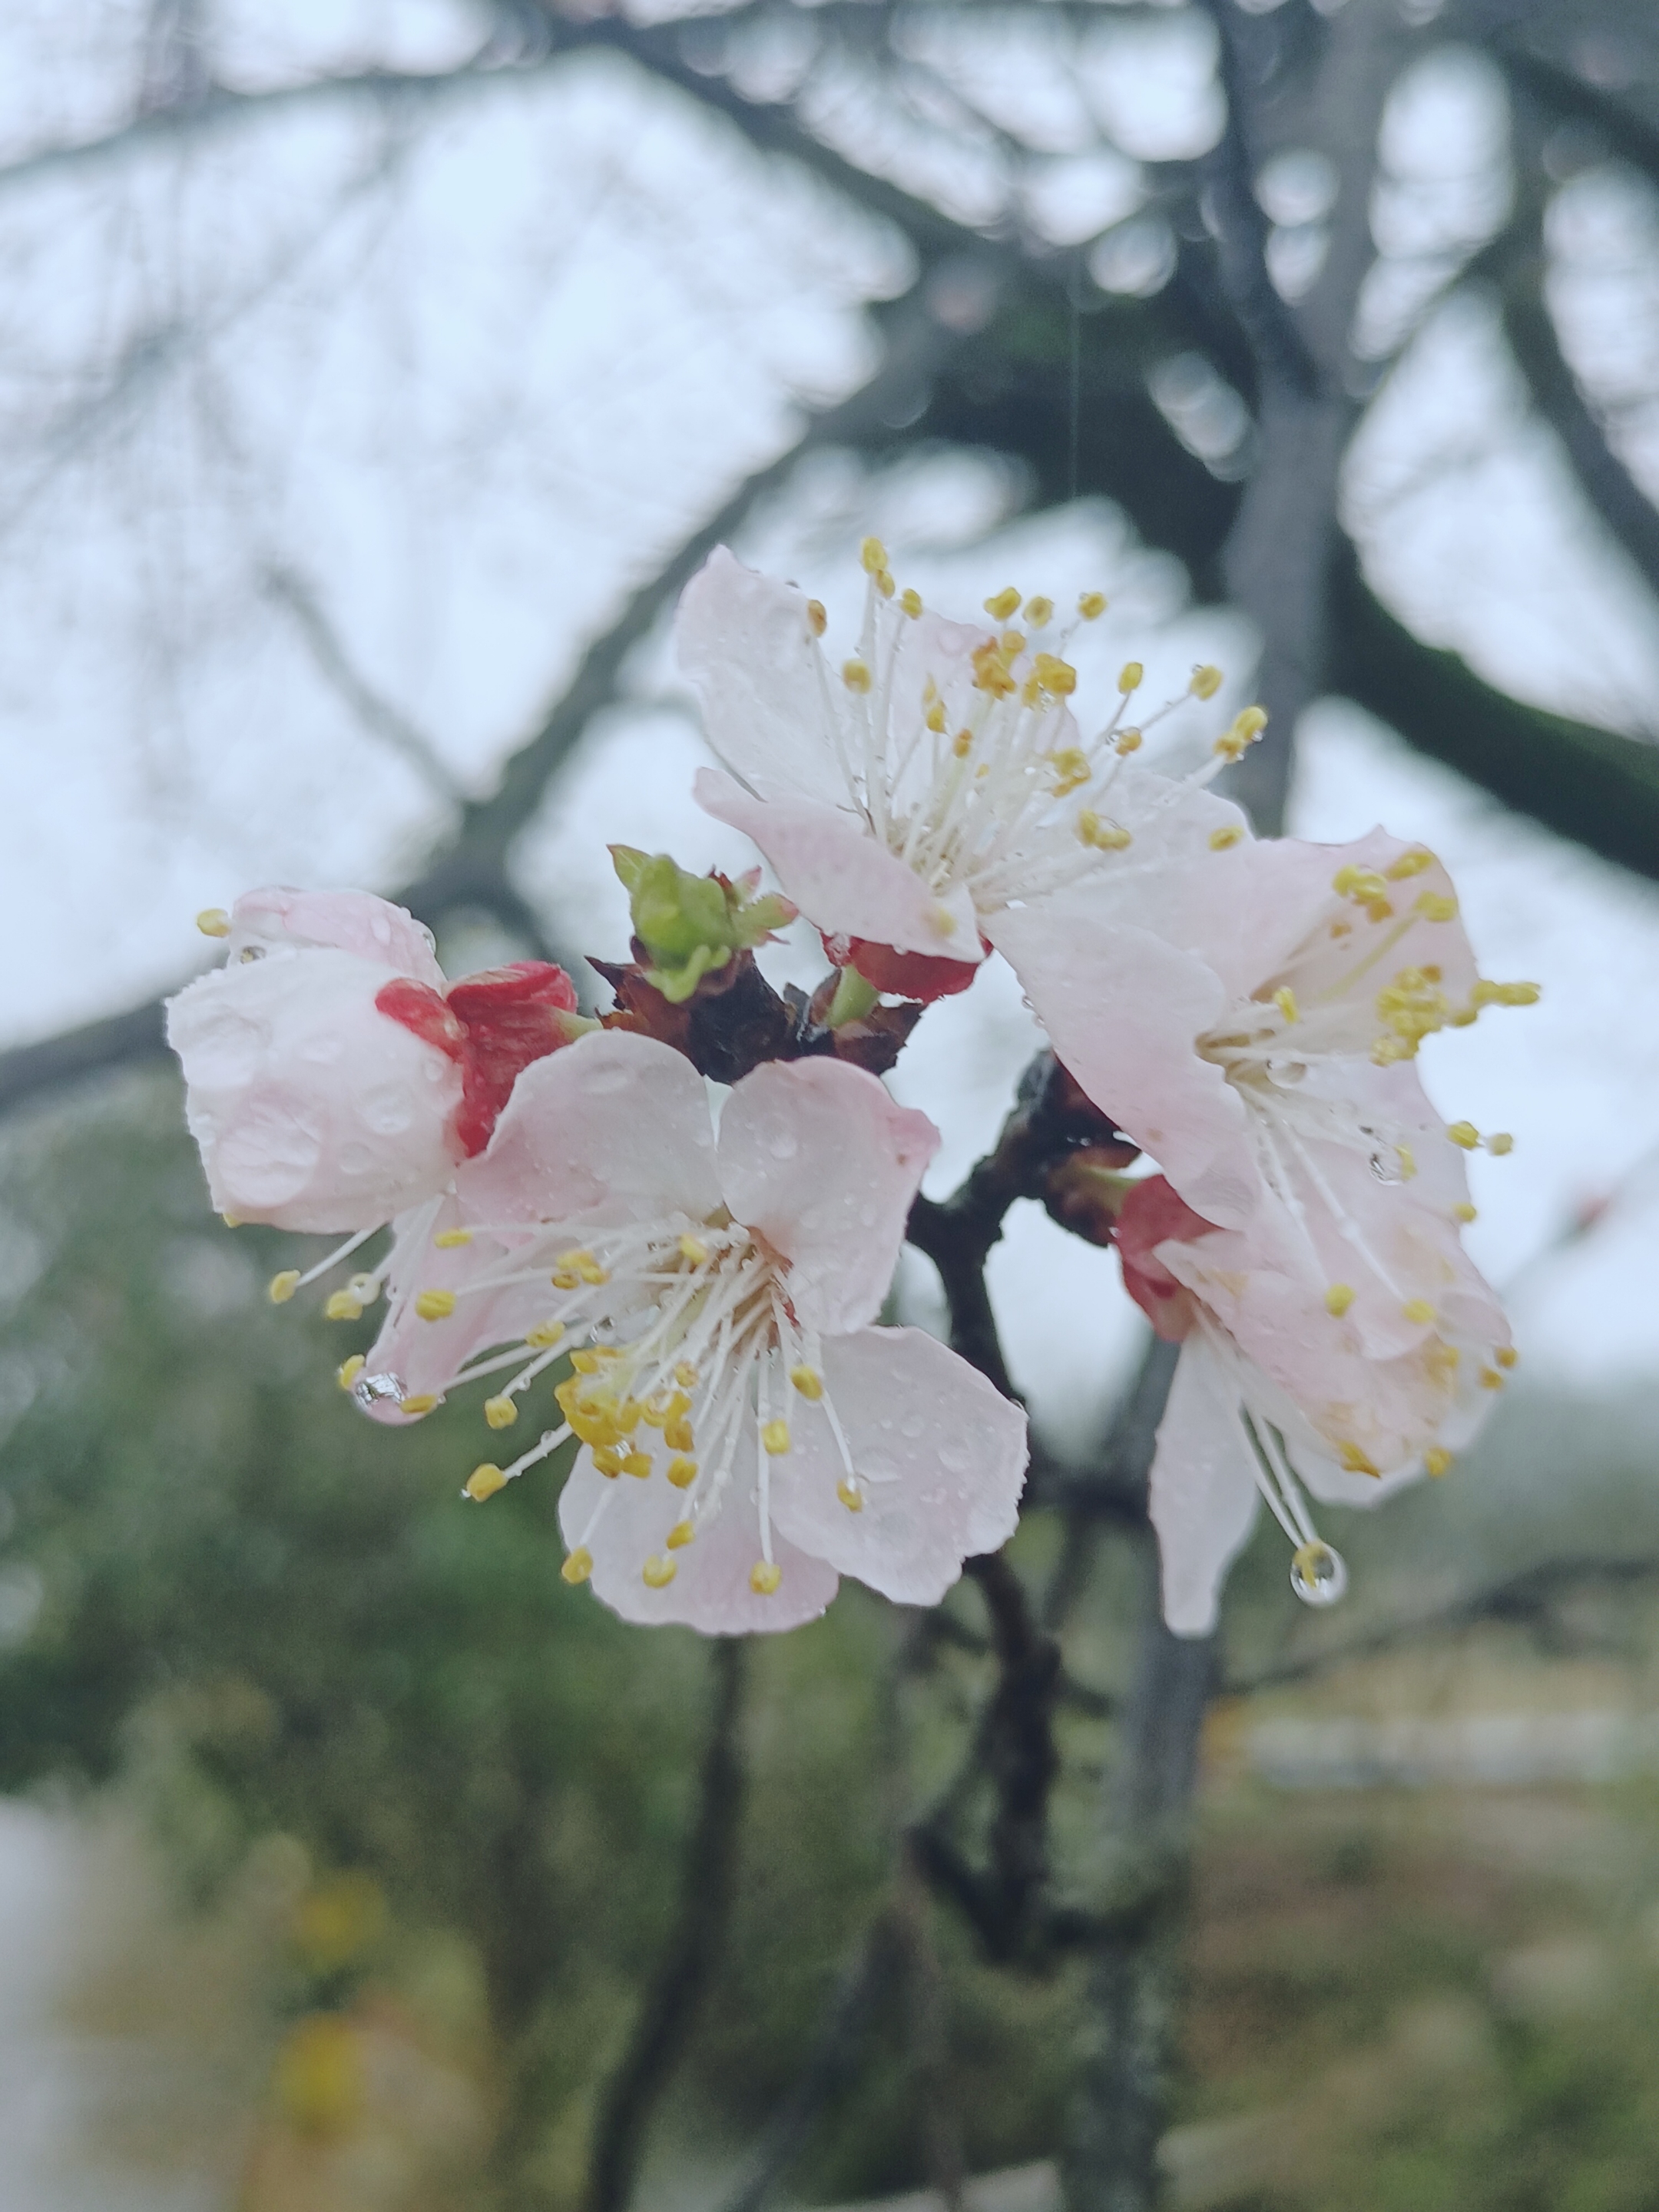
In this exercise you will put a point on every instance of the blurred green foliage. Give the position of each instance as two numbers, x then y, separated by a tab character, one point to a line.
259	1616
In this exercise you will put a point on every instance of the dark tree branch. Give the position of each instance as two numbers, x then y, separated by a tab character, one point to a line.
683	1973
1580	782
377	713
1629	135
1623	506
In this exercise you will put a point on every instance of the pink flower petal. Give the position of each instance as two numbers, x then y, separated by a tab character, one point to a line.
841	877
939	1456
744	643
312	1111
411	1357
614	1122
1124	1011
343	921
711	1591
815	1157
1203	1493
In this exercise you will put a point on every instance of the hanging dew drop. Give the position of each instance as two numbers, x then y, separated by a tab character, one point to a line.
1319	1576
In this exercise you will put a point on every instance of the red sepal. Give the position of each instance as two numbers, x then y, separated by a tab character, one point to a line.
906	975
494	1024
1152	1212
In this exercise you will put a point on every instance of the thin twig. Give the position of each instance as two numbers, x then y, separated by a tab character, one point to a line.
684	1972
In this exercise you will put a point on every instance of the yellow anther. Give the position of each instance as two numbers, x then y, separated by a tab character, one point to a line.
1002	605
854	675
544	1335
1506	1355
1518	994
1104	837
942	922
1092	605
1411	863
1464	1134
1339	1298
676	1435
1246	728
664	1409
1407	1159
1224	840
435	1305
1464	1211
808	1382
1491	1379
1070	768
1420	1312
213	921
349	1370
1436	906
1206	681
685	1375
694	1250
500	1413
817	620
1039	612
1056	677
231	1220
1500	1143
934	718
280	1288
992	671
637	1463
579	1566
884	582
1436	1459
1130	677
680	1535
850	1494
1442	1360
607	1460
422	1403
483	1482
1356	1462
910	601
585	1362
589	1268
1284	999
658	1571
872	556
962	743
1127	741
764	1576
1010	644
682	1472
446	1239
775	1436
340	1305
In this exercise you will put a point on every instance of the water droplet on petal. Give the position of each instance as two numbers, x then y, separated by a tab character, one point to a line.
1319	1576
1287	1073
1386	1169
783	1145
913	1424
379	1390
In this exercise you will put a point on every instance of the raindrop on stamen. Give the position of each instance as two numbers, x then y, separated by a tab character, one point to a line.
379	1390
1319	1576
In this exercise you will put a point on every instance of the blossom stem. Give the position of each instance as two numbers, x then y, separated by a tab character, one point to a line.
852	1001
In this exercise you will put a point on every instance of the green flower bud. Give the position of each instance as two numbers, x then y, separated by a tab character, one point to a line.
690	926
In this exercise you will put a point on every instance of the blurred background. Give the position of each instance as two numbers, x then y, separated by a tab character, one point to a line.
372	374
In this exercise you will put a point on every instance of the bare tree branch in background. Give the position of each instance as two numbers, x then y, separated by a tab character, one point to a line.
686	1967
377	714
